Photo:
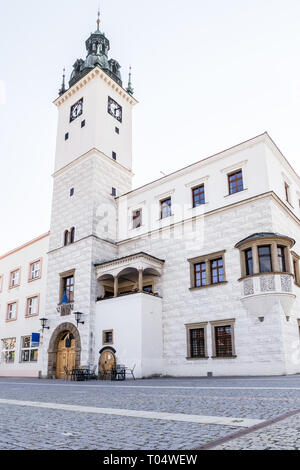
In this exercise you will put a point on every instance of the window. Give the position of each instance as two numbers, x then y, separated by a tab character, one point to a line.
1	283
223	338
296	270
198	196
265	259
32	306
114	155
287	192
281	259
107	337
235	182
28	353
217	271
68	288
11	313
196	341
71	192
137	218
72	235
200	274
8	350
165	208
117	130
207	270
249	261
66	238
14	278
113	191
83	123
148	289
35	270
66	135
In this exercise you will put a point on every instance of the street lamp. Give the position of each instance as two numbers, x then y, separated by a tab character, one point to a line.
44	323
78	316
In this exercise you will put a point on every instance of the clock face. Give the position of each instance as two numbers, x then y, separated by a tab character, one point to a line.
115	109
76	110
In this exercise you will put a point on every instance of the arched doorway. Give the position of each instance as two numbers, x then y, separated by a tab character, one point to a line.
107	361
65	340
65	357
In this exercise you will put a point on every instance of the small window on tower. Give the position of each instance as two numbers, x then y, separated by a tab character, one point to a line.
114	155
66	135
117	130
113	191
83	123
71	192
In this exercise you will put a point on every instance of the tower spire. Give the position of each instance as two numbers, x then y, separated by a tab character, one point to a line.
129	88
98	20
63	85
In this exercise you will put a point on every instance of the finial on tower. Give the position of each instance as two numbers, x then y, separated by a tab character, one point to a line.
98	20
129	88
63	86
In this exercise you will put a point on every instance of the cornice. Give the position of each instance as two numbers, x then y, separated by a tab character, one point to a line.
96	72
86	155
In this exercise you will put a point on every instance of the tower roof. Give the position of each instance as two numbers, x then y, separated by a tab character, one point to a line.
97	46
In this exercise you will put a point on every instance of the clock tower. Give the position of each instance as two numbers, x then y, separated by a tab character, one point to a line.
93	164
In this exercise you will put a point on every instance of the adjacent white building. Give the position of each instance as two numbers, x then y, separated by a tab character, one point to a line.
192	274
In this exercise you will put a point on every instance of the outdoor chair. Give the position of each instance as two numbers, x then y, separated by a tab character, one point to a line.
130	371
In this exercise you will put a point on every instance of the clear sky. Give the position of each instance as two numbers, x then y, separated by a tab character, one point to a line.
208	74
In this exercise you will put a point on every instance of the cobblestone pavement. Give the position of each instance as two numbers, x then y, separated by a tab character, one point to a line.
25	427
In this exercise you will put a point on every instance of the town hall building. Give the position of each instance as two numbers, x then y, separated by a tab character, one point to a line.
194	274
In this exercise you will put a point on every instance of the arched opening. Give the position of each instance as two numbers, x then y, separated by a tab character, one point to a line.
107	362
64	350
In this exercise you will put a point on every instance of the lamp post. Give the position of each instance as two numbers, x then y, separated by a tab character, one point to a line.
44	323
78	316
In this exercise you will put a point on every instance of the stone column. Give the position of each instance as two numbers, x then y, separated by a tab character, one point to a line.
274	254
255	259
140	280
208	272
116	286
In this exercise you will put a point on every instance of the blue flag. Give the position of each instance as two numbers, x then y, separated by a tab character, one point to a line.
65	299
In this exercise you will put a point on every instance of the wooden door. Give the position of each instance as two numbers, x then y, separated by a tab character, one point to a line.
65	355
107	361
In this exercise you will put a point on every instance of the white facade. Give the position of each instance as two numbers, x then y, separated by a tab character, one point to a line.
201	284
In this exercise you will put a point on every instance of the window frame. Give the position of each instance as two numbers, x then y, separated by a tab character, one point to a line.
11	277
8	350
199	187
28	299
196	326
63	276
208	259
236	181
162	207
134	218
13	302
260	257
106	332
30	278
30	349
221	324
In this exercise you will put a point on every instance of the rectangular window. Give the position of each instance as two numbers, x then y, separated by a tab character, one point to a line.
113	192
287	192
281	259
265	259
249	262
28	353
32	307
11	311
83	123
14	278
200	274
137	218
107	337
217	271
198	196
197	342
114	155
68	288
165	208
66	135
71	192
8	350
223	341
235	182
35	270
117	130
